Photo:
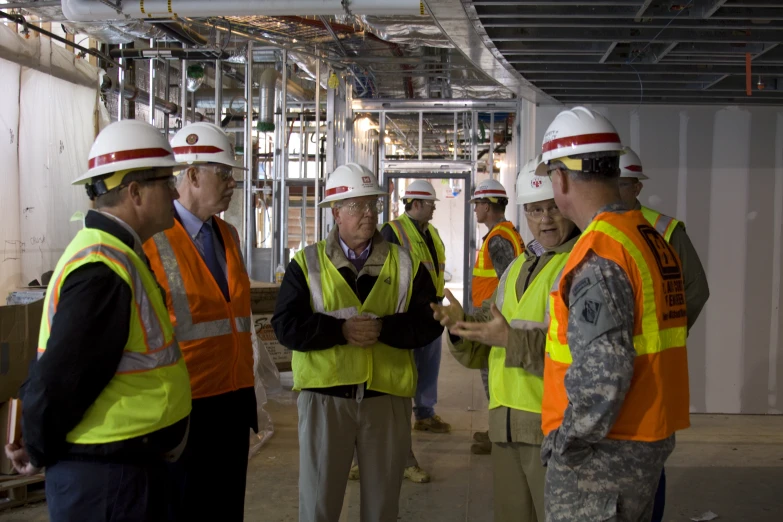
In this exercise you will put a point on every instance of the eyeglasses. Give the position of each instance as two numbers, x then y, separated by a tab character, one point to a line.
223	172
538	212
626	184
427	203
357	208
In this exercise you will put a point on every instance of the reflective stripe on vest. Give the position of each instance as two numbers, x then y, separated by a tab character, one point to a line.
382	367
412	240
158	352
515	387
186	330
150	389
657	403
485	279
664	224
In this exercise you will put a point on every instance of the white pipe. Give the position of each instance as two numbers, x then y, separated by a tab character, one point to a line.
94	11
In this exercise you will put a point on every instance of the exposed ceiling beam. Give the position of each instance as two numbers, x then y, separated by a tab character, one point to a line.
608	52
757	55
629	76
656	12
510	38
706	8
644	68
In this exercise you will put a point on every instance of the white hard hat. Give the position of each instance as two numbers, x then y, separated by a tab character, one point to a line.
532	188
578	131
127	145
350	181
631	165
204	142
420	189
489	189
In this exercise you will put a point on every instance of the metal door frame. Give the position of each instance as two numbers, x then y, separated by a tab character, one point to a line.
469	233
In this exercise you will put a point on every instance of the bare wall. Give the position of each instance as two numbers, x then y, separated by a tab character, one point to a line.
719	169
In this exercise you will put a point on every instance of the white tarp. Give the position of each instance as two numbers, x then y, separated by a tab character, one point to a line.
10	263
57	128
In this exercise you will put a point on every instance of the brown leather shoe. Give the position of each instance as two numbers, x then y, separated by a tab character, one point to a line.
481	448
434	424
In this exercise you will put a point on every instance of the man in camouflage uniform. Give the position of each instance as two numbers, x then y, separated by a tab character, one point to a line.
611	406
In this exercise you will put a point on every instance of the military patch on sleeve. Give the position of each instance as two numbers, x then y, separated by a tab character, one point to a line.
591	311
580	287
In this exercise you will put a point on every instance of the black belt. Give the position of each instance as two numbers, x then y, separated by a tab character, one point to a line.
345	392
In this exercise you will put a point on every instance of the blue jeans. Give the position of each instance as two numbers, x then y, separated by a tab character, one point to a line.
428	365
660	499
103	491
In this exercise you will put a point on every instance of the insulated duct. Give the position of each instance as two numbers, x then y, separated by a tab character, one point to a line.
266	99
205	98
407	30
94	11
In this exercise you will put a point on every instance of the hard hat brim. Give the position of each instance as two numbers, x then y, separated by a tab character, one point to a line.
327	201
91	174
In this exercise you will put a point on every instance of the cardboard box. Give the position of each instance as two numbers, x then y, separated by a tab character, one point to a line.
263	297
280	355
19	326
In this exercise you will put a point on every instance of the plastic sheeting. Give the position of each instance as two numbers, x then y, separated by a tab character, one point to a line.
11	262
57	122
267	379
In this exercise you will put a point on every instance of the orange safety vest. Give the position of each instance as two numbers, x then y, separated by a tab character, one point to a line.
214	335
485	279
657	402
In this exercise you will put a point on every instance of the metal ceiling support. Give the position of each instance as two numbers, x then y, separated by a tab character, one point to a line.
283	167
152	86
608	52
456	137
317	150
707	8
436	105
183	92
121	80
491	155
247	185
218	85
753	57
334	36
510	38
421	135
167	97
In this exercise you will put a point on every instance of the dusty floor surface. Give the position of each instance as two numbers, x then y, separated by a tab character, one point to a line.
730	465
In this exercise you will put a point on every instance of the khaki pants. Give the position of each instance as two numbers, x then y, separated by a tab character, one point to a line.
518	481
330	429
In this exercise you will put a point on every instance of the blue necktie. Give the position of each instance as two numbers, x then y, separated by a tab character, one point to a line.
210	258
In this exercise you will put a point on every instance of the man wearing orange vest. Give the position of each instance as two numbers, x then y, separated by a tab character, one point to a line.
499	248
616	372
697	290
199	264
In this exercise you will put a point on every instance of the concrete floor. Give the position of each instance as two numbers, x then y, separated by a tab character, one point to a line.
731	465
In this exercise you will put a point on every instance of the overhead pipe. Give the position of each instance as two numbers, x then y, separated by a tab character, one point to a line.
170	53
266	100
92	11
205	98
131	93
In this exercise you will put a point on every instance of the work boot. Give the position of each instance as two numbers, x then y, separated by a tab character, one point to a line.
481	448
434	424
417	475
481	436
354	473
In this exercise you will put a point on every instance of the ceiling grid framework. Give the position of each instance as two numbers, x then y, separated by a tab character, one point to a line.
639	51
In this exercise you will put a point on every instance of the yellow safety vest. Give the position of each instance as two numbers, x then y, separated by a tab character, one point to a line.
151	387
411	239
664	224
383	368
515	387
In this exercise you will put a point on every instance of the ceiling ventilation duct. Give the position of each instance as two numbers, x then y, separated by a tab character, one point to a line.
94	11
407	30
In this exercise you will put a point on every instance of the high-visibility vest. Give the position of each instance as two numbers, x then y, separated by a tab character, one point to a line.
664	224
485	279
150	389
515	387
657	403
215	335
411	239
383	368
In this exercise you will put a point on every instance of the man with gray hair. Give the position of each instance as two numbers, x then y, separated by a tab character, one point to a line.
199	265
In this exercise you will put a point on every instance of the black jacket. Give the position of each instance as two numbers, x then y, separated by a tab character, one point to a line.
299	328
86	342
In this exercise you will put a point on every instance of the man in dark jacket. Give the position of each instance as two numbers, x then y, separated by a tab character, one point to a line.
353	308
107	403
